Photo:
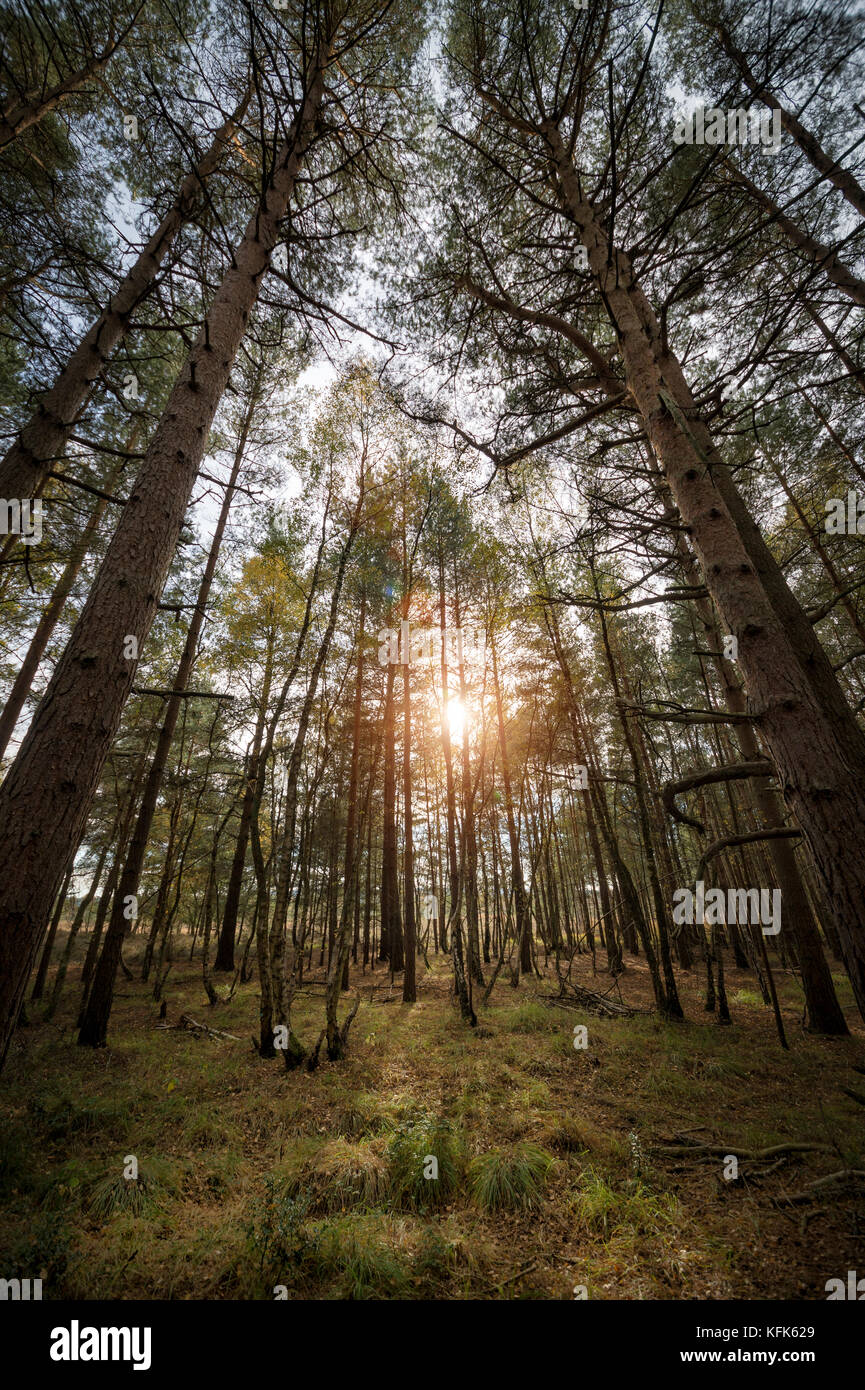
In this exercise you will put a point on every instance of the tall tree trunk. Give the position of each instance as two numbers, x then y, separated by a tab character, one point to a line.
43	439
446	740
823	1009
409	984
391	920
94	1027
225	950
812	734
672	1005
45	798
262	896
521	903
351	811
607	923
285	854
45	959
48	621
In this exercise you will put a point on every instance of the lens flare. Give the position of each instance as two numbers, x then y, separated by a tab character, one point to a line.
457	718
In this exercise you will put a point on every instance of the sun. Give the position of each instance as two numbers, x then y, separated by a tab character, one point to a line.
457	718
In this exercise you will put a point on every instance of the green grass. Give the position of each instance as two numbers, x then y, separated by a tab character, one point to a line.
342	1152
509	1179
114	1194
605	1210
416	1181
358	1261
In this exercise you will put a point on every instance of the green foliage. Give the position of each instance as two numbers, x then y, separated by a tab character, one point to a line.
341	1175
359	1263
532	1018
359	1116
511	1179
573	1134
114	1194
435	1255
606	1210
412	1143
278	1236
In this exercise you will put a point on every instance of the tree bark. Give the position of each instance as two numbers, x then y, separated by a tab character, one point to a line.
42	440
812	734
45	798
94	1027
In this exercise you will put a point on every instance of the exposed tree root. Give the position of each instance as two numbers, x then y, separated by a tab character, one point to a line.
694	1148
850	1176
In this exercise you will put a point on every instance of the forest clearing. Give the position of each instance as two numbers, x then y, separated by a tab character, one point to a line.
319	1186
432	815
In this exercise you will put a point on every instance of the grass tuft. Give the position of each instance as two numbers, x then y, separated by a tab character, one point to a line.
509	1179
414	1142
342	1175
605	1210
142	1196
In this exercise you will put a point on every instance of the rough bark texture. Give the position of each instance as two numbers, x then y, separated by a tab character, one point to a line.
43	439
94	1025
811	732
45	798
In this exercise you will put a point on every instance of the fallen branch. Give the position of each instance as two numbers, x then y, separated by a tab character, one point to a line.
696	1149
191	1025
587	999
500	1283
843	1175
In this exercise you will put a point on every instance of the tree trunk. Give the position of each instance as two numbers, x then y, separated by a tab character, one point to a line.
45	959
94	1028
812	734
47	793
523	913
48	621
43	439
391	920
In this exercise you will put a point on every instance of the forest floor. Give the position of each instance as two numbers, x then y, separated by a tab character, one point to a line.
553	1170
